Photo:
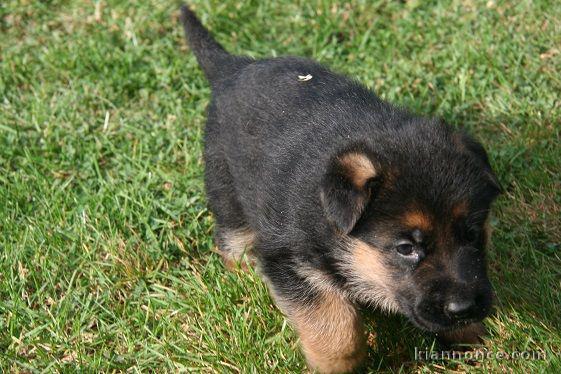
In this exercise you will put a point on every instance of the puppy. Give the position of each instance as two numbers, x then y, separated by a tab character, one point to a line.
342	199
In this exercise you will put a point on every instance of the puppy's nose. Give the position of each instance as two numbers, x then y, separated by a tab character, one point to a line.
460	309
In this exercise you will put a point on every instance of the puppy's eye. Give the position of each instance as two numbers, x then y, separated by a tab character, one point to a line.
405	249
411	253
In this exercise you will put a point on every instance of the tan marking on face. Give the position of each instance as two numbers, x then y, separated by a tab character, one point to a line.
331	333
368	263
359	168
418	220
235	248
368	275
460	209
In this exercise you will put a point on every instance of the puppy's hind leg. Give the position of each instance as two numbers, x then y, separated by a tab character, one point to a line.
235	246
232	234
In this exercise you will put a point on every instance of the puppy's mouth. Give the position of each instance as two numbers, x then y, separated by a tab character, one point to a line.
436	326
432	317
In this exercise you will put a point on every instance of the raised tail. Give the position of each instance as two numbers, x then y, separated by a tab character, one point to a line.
212	57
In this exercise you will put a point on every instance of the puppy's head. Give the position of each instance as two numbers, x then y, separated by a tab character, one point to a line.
412	215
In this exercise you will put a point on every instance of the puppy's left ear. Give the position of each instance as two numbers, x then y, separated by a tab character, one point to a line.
346	189
476	149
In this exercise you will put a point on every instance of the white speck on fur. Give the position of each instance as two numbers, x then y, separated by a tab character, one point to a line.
304	78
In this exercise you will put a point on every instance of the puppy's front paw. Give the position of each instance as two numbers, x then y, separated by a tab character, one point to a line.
328	362
467	335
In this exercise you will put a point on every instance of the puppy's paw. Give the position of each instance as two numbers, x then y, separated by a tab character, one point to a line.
336	364
471	334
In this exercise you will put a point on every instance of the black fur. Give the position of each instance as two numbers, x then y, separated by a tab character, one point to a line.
272	146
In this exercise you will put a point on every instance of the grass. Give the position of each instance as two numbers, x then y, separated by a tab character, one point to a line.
106	258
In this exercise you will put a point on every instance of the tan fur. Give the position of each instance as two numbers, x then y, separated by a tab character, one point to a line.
460	209
359	168
364	266
418	220
331	333
318	280
236	248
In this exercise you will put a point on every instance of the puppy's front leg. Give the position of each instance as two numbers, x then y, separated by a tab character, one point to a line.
330	330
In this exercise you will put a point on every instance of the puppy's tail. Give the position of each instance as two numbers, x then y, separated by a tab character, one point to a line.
213	59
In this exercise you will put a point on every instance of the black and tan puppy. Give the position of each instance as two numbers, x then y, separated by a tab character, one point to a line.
343	199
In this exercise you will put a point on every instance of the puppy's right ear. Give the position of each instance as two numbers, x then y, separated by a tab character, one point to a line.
346	191
476	149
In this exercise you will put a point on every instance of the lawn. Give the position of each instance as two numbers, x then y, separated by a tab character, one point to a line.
106	251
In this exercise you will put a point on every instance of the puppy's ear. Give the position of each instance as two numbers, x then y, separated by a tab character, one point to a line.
346	189
476	149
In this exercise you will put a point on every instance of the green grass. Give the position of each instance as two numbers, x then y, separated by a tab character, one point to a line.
106	257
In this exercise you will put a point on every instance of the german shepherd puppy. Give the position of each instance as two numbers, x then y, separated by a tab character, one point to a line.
341	199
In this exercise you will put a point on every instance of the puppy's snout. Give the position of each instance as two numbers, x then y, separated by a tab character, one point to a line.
468	303
460	309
